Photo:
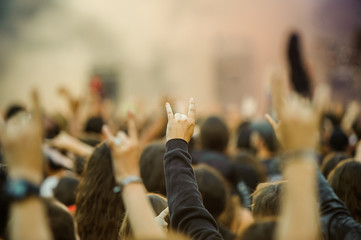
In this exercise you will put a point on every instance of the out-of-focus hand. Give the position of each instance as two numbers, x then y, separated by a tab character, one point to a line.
62	141
180	125
160	218
125	151
21	138
299	118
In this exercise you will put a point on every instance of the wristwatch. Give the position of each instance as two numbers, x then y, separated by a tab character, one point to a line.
126	181
20	189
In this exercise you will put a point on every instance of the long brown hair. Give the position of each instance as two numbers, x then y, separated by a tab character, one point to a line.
99	211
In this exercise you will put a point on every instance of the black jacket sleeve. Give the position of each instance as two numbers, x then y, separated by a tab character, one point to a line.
187	213
337	222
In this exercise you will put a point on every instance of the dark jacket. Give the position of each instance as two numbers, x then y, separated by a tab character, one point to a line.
187	213
337	222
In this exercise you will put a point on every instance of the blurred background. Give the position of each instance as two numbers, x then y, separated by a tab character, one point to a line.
220	52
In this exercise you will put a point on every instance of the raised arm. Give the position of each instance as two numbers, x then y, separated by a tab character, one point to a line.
21	138
125	157
187	213
299	135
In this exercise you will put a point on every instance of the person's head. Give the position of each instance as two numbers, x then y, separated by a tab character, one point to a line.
261	230
247	159
330	162
244	136
345	180
214	134
94	125
65	191
61	222
263	137
266	200
338	140
152	169
158	202
213	189
99	211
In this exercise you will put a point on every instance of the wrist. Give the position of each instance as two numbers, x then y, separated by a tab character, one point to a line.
299	157
26	174
125	182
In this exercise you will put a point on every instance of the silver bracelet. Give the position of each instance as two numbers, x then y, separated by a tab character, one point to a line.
126	181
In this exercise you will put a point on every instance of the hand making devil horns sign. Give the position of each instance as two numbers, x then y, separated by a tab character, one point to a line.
181	126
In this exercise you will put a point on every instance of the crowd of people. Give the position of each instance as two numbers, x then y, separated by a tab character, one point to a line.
295	174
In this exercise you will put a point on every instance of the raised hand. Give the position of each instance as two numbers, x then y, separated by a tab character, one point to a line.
125	151
299	118
21	138
181	126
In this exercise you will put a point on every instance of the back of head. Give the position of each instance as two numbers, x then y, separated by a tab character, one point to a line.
213	189
60	220
264	230
338	140
266	200
152	169
65	191
345	179
94	125
99	211
214	134
267	134
244	136
331	161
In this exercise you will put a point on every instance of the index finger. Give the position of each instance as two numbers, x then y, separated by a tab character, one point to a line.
191	109
132	128
278	90
36	109
164	213
169	111
106	131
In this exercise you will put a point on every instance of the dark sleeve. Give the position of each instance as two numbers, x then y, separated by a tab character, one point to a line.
337	222
187	213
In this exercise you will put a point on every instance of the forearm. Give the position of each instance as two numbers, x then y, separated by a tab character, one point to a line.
29	220
299	213
141	215
187	212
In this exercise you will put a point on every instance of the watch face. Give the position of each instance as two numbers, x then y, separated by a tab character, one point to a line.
16	189
19	189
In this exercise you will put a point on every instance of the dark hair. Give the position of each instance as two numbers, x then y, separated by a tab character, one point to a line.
244	136
60	220
345	180
99	212
257	173
158	202
264	230
94	125
4	206
65	191
214	134
79	165
213	189
266	132
330	162
152	169
13	110
338	140
266	200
